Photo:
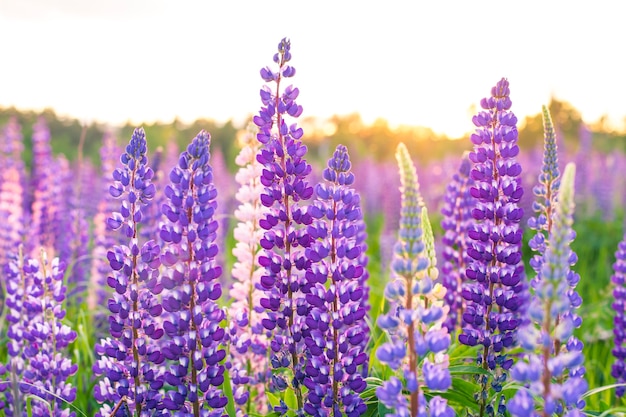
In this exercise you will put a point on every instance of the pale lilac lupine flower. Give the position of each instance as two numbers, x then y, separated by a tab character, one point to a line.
248	342
418	339
552	369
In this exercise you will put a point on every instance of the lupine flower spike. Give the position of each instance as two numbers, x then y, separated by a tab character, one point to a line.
495	289
457	218
618	279
545	193
248	343
552	370
38	367
286	189
130	360
336	339
191	287
418	340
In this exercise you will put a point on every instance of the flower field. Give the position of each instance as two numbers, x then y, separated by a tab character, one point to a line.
490	283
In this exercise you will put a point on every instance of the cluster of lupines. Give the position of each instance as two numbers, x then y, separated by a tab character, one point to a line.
618	279
495	289
418	340
248	347
336	363
127	360
190	281
286	188
456	221
552	371
38	368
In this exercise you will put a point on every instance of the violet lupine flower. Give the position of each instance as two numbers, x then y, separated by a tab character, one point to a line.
42	204
38	340
552	369
248	343
495	289
618	279
103	237
12	197
286	188
191	286
336	339
418	340
545	193
456	221
129	361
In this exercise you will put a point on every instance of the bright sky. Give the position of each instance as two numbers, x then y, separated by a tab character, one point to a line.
410	62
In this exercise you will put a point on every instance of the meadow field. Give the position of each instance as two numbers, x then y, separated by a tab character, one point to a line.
268	280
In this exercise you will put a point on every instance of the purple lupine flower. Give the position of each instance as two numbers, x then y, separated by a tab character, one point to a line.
152	212
495	289
37	366
618	279
191	286
545	193
47	370
337	336
418	340
552	368
103	237
41	202
248	342
286	189
456	222
12	196
130	359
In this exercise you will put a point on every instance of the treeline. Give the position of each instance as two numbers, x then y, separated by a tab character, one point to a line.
376	140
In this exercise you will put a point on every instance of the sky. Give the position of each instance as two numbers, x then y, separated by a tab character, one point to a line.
425	63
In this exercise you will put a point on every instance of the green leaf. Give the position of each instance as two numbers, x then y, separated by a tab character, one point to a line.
228	392
383	410
461	394
467	370
291	400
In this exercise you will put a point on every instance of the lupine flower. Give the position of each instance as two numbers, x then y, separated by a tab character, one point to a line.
552	370
618	370
43	233
456	221
495	288
38	367
248	343
286	188
191	286
129	360
336	337
545	193
103	237
11	189
418	340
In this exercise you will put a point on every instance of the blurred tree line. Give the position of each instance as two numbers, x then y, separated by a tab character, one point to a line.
377	140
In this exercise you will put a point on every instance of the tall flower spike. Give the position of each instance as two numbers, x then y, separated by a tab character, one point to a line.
418	340
495	288
286	188
457	216
248	343
38	367
129	361
552	369
336	339
545	193
191	286
618	279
